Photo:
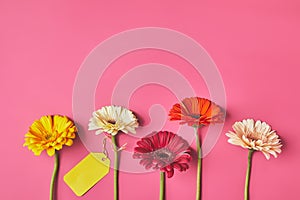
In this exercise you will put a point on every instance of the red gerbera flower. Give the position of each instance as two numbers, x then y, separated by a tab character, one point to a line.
196	111
163	150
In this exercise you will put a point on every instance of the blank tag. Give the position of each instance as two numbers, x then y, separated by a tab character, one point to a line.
87	173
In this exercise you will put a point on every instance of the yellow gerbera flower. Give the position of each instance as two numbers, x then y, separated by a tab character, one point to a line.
255	136
50	133
112	119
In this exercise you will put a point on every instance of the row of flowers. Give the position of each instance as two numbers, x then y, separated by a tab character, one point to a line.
161	150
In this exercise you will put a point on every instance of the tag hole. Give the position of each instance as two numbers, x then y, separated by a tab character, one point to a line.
103	159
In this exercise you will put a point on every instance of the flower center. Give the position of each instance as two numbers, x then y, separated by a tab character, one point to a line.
49	136
111	121
254	136
195	116
163	155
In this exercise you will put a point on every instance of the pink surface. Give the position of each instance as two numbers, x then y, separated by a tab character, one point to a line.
255	45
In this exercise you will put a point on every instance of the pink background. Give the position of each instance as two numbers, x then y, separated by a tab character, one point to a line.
255	45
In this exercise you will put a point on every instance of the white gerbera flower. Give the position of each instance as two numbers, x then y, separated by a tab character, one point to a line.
112	119
256	136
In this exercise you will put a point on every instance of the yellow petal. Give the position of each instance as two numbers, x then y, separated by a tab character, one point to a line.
69	142
47	123
51	151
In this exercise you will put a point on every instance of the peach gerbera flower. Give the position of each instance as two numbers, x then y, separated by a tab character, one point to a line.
255	136
196	111
50	133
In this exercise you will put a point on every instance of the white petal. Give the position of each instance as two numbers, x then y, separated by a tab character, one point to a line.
99	132
267	155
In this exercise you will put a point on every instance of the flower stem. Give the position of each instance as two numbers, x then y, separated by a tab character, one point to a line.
246	193
54	176
116	169
199	164
162	186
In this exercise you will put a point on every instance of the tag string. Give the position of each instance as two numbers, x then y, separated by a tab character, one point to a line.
117	149
104	151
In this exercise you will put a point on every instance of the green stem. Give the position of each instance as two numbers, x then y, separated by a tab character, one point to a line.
246	193
116	167
199	164
162	186
54	176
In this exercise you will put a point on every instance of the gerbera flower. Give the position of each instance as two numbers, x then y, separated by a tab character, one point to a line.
112	119
255	135
165	151
50	133
196	111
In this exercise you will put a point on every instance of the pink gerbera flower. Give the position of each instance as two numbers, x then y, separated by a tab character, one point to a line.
165	151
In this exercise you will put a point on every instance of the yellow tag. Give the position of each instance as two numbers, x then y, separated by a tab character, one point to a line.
87	173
